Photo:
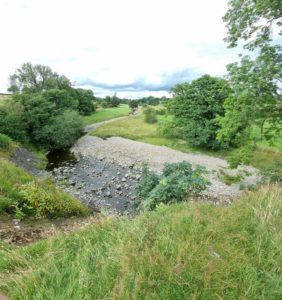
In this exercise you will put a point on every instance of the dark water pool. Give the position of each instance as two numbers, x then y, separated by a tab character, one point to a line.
59	158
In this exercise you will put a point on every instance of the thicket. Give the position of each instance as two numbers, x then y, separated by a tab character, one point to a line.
45	108
177	182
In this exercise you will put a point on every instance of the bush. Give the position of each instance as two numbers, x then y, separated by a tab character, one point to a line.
170	129
42	199
241	156
5	142
150	115
175	184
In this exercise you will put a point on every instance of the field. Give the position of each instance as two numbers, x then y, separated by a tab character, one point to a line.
185	251
103	114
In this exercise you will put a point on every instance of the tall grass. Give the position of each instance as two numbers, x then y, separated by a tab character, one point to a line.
22	194
184	251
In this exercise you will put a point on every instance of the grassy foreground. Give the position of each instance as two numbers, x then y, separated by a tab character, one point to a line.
185	251
103	114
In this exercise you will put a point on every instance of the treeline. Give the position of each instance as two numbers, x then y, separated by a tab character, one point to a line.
114	101
45	109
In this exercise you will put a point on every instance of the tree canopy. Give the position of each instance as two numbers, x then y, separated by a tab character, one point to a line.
36	78
256	83
195	106
252	21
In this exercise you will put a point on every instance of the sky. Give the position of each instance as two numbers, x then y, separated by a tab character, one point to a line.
134	48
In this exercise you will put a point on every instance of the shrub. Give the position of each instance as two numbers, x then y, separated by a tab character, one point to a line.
43	199
5	142
169	129
241	156
150	115
175	184
6	205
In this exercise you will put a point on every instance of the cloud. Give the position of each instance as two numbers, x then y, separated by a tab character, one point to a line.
166	82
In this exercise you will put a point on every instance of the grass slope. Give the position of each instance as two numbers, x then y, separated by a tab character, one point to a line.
135	128
185	251
103	114
40	194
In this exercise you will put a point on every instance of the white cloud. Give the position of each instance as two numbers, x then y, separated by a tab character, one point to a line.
114	42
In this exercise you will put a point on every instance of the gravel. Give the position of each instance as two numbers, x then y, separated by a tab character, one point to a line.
132	153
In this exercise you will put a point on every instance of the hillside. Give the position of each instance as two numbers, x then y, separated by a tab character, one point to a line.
189	250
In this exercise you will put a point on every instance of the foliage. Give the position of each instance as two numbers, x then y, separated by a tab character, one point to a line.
36	78
183	251
255	99
170	129
133	104
61	99
85	99
150	115
10	115
176	183
61	131
40	118
5	142
195	106
241	156
23	195
256	82
252	21
41	199
111	101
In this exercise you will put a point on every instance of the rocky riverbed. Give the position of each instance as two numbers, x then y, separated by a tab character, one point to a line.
100	184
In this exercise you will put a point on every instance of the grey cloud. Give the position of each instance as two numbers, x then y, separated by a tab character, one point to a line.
168	80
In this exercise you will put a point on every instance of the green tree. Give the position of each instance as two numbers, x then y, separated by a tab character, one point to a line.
195	106
36	78
256	82
61	131
252	21
256	99
85	101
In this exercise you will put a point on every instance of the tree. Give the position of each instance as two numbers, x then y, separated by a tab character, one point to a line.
61	131
252	21
256	82
256	98
36	78
196	105
85	101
